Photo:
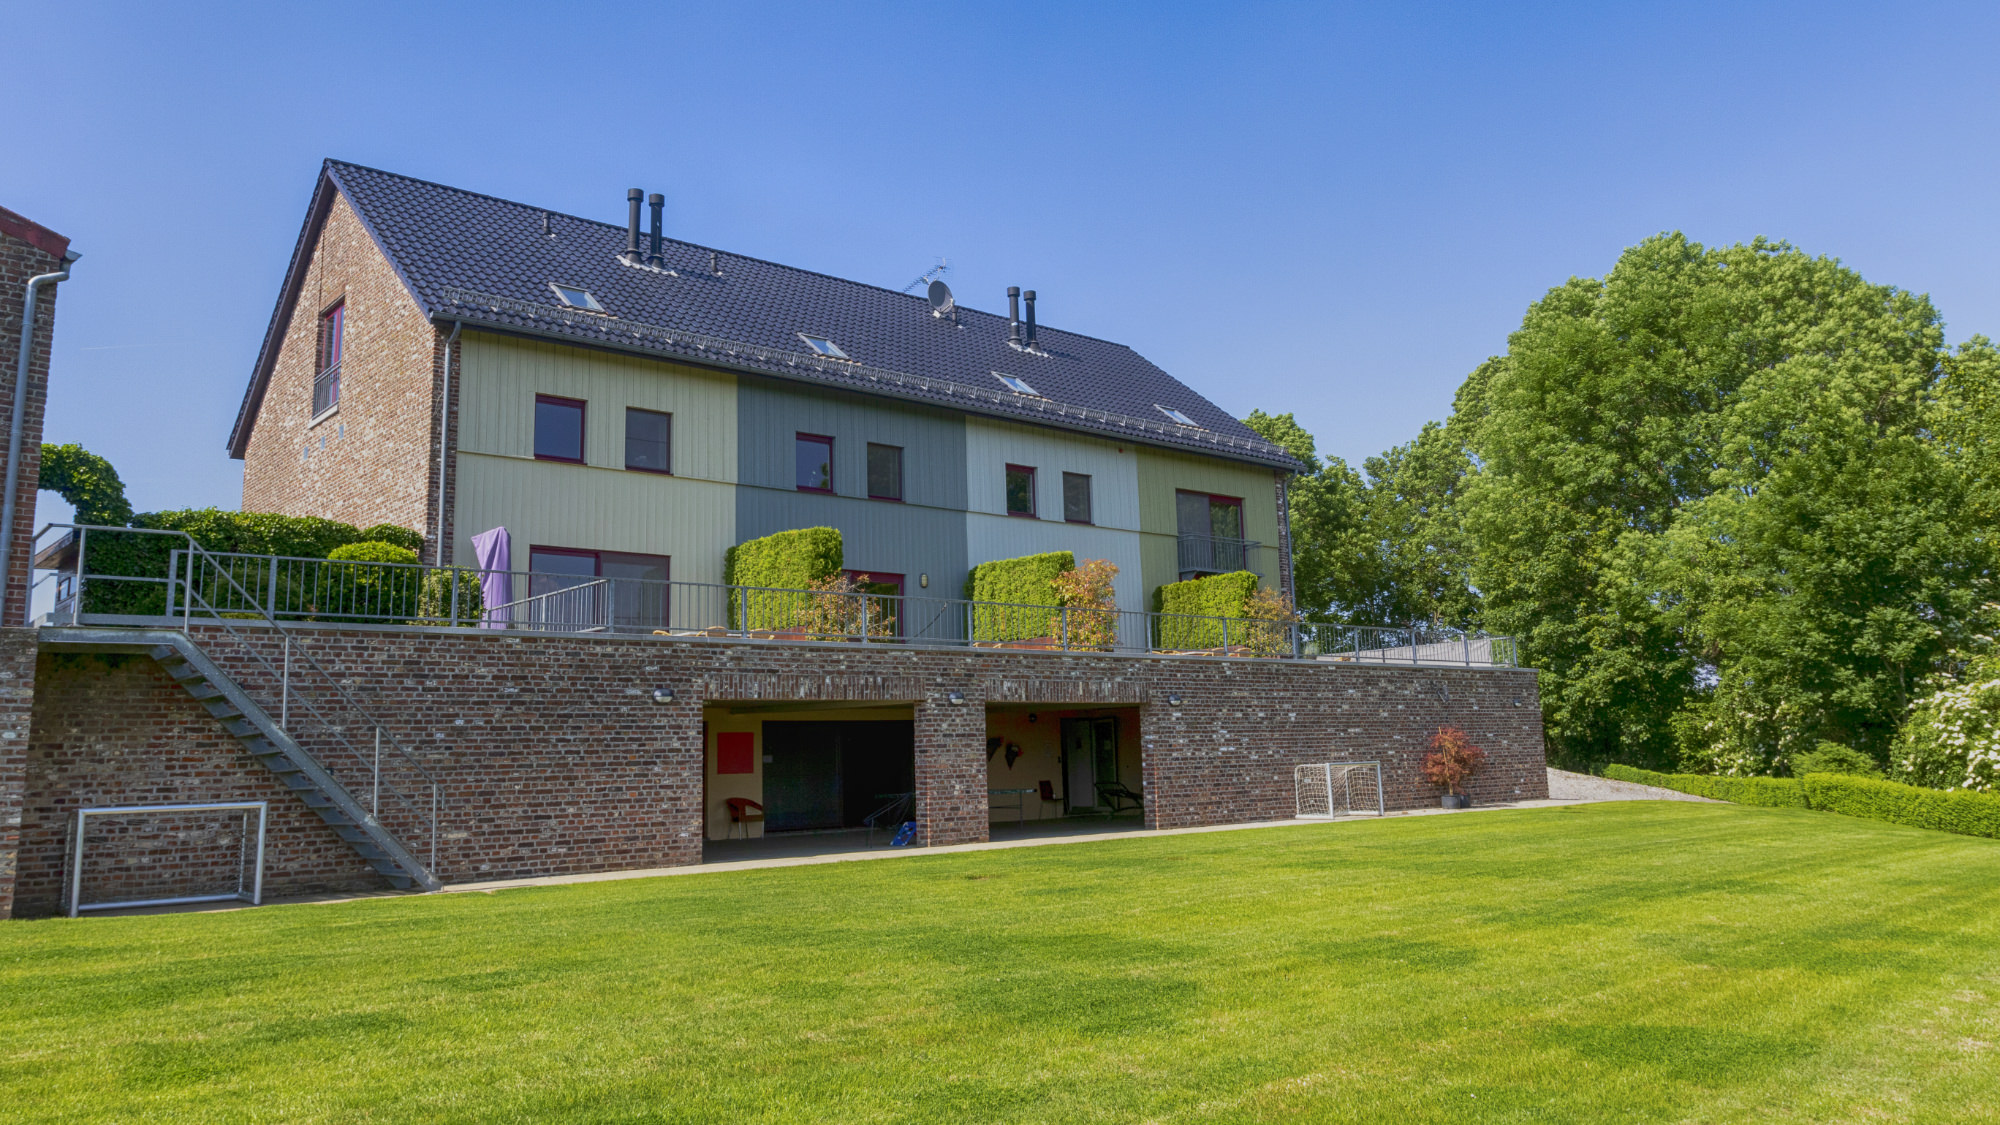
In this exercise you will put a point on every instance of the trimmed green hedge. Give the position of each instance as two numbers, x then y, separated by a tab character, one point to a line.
1218	595
250	533
1946	810
1025	581
1768	792
1962	811
787	560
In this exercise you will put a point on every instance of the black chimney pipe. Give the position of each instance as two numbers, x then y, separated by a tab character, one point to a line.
658	203
1030	297
1014	314
632	199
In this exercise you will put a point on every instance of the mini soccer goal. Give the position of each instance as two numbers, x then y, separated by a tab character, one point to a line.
165	855
1325	790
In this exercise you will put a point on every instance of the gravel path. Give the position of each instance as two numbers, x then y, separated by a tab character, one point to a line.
1567	786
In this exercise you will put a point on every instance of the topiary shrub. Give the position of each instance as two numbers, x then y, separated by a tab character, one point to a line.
800	559
1193	605
441	602
411	541
358	588
1003	584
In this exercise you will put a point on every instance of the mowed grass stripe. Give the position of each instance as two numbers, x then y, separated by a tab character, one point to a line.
1633	962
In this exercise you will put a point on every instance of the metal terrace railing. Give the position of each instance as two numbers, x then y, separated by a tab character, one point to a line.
1216	554
168	575
193	584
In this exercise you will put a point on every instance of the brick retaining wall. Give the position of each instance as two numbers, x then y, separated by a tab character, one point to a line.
555	759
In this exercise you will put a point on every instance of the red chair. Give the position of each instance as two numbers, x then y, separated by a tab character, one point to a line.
1049	793
739	813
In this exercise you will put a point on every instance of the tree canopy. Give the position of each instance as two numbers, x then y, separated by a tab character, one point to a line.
1733	502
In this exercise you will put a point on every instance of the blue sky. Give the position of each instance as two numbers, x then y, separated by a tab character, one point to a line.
1333	210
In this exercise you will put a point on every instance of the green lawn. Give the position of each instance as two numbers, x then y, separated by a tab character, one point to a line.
1631	962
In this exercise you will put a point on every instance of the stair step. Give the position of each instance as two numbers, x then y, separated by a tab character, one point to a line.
283	758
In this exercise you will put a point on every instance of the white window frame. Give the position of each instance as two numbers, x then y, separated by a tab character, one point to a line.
1017	384
823	346
559	289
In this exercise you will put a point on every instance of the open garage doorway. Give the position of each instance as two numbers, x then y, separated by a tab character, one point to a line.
821	776
795	779
1054	770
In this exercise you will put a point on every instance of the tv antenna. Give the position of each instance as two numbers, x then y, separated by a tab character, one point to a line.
943	267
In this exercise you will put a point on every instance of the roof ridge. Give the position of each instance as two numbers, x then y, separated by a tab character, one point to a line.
1039	327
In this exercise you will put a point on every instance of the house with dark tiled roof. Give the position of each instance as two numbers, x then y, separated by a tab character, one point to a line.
624	404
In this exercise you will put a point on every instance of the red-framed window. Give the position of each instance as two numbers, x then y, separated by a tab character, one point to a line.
625	590
1021	491
326	364
812	456
559	429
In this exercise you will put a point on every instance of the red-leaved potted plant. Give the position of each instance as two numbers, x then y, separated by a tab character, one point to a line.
1453	759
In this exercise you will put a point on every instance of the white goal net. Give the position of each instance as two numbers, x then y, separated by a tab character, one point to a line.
1329	789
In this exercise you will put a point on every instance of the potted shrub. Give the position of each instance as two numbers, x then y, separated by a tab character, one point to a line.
1452	760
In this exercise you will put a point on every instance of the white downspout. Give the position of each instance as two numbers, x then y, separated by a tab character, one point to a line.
20	416
444	436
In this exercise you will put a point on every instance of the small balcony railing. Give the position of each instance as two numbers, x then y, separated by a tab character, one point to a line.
1214	554
153	579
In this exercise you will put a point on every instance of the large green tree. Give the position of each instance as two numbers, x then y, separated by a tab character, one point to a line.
1709	503
1381	548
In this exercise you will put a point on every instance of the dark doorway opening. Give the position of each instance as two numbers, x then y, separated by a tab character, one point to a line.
1089	759
826	775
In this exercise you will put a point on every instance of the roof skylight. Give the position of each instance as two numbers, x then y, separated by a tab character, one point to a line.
1175	415
823	346
1017	385
576	298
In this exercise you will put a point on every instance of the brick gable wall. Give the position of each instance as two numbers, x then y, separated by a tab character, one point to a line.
371	461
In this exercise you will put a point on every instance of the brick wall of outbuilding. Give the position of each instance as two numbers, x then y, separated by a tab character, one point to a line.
26	250
17	704
114	730
371	460
554	758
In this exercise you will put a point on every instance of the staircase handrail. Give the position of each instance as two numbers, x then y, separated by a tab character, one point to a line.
189	595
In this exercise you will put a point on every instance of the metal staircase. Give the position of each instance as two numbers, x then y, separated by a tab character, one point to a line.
266	740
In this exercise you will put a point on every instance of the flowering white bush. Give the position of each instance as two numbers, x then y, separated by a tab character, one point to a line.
1952	738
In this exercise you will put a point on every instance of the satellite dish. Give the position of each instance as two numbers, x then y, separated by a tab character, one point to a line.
940	298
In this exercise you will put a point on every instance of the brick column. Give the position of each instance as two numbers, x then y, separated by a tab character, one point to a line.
17	703
951	768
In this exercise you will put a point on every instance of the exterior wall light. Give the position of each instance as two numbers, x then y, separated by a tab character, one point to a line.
955	698
663	695
1173	699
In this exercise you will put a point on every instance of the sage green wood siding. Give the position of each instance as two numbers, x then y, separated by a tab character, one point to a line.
1164	472
690	516
922	535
